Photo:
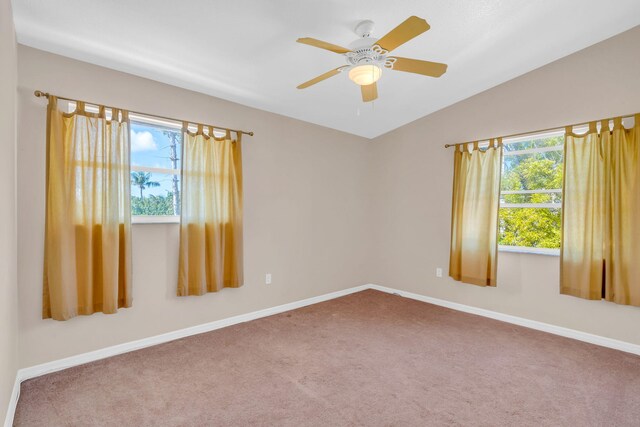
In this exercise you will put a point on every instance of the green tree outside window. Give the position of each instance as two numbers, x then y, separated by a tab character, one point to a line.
531	226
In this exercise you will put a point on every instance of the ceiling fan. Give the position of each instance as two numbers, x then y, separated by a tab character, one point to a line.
367	56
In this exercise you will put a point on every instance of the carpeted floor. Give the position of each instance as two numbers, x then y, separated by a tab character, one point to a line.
365	359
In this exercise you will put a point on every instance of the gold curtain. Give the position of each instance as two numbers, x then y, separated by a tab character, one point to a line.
87	265
601	199
474	216
211	223
583	200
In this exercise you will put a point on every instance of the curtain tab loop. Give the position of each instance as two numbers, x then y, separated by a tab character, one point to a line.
593	127
200	130
617	123
475	145
499	141
228	134
80	107
185	127
604	126
53	101
210	131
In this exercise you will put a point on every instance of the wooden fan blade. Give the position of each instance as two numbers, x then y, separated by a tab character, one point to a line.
320	78
404	32
369	92
432	69
323	45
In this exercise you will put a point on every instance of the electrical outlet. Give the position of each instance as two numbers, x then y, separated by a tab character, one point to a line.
267	279
438	272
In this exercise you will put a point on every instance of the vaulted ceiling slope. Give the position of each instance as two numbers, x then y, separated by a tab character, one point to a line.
245	50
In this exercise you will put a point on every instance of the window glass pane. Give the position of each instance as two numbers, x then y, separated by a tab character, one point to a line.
155	146
530	227
533	171
534	142
155	194
534	227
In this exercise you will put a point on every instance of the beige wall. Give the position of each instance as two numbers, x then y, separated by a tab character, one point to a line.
8	260
414	175
323	210
305	207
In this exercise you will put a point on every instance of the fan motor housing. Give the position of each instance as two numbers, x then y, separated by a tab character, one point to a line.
369	54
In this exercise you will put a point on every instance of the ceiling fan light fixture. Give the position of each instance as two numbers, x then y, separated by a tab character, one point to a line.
367	56
365	75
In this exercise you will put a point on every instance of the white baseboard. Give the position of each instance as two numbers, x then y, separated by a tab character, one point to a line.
521	321
57	365
13	402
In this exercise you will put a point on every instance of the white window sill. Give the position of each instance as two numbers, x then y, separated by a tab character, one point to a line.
526	250
155	219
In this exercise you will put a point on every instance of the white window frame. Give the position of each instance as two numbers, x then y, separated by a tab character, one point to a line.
551	134
155	219
169	125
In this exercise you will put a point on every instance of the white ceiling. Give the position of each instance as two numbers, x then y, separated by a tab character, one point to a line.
245	50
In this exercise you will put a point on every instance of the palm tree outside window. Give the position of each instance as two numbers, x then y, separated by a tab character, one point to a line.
143	180
155	170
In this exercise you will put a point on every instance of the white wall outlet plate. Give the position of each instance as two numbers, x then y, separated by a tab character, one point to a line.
438	272
267	279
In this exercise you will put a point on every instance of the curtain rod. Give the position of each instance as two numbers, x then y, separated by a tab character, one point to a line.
40	94
513	135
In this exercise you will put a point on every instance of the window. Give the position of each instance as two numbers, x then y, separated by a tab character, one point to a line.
531	193
155	171
155	167
156	145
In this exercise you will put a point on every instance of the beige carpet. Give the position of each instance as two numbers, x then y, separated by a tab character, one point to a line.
365	359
